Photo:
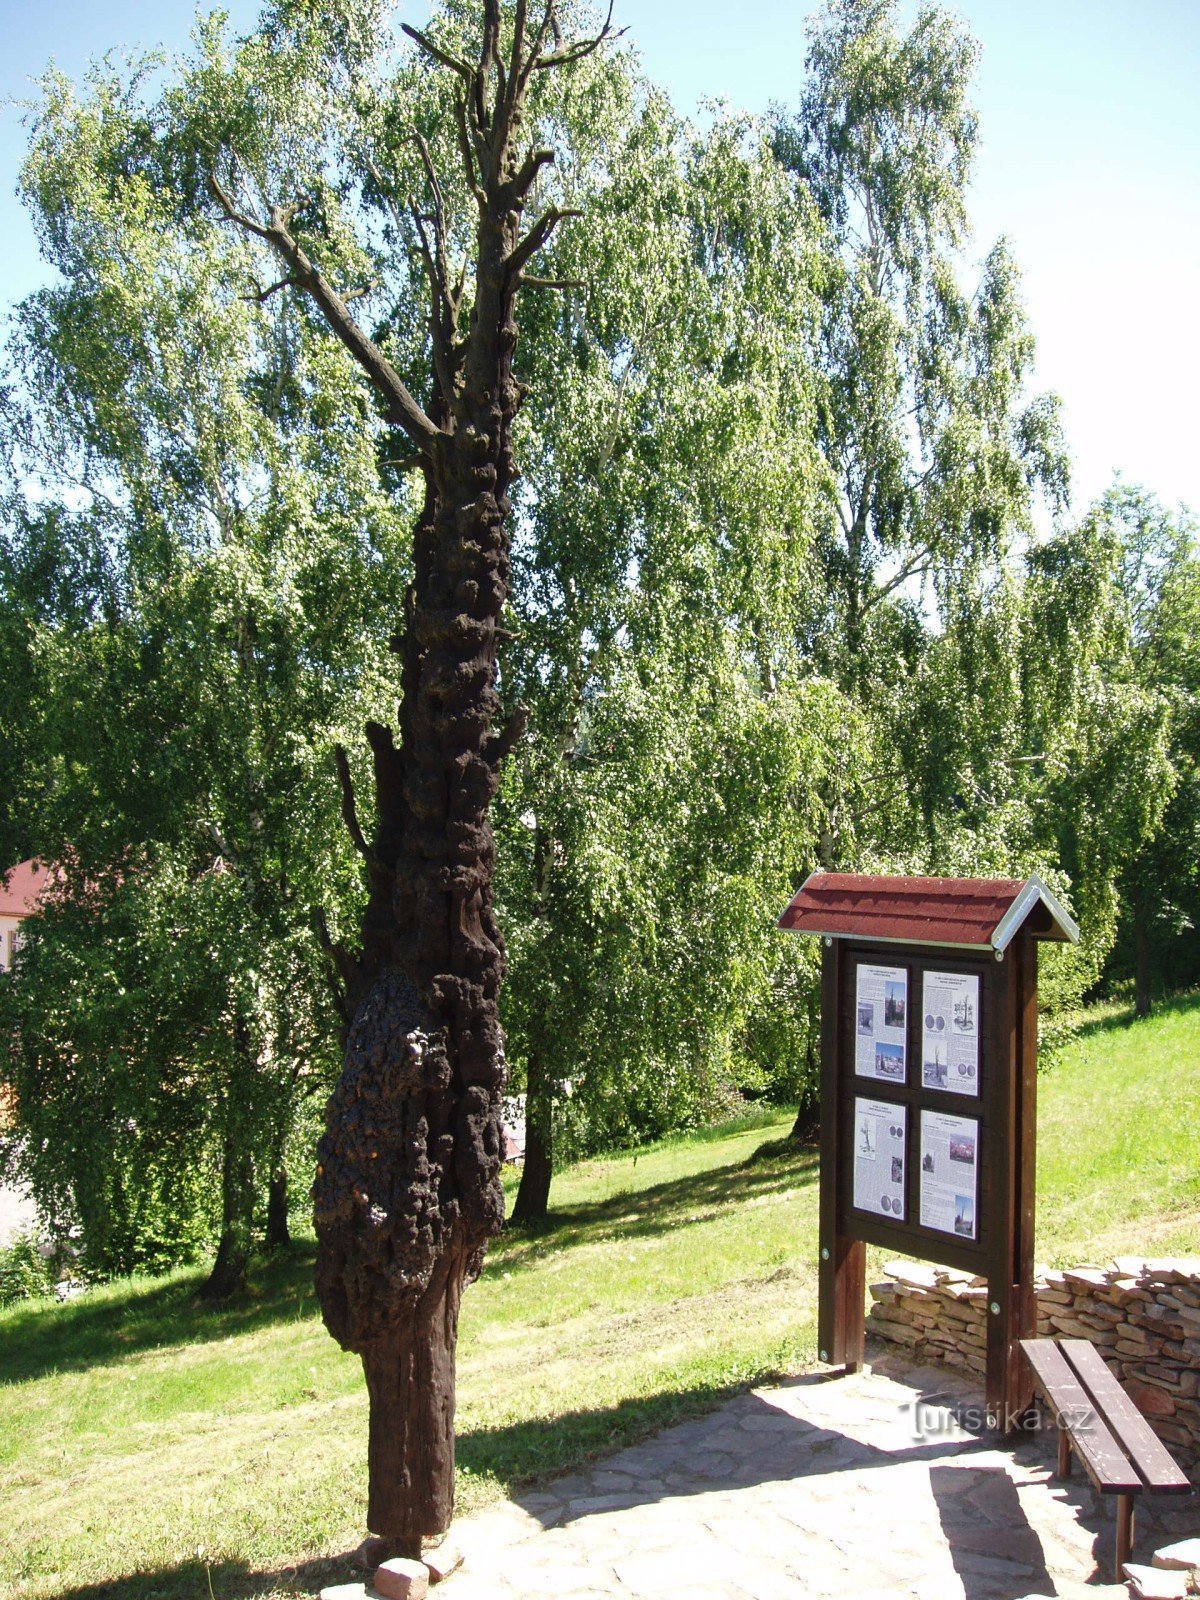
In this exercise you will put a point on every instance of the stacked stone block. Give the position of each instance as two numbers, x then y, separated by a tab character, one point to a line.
1142	1315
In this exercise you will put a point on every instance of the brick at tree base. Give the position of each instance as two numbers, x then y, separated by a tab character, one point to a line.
401	1579
443	1560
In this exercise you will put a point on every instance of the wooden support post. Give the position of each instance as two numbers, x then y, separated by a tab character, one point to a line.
1125	1533
1064	1453
1012	1114
997	1186
1024	978
842	1269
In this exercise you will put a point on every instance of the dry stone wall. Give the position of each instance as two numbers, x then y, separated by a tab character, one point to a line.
1142	1315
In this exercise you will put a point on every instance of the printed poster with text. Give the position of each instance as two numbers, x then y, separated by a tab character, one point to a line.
879	1158
949	1173
950	1032
881	1023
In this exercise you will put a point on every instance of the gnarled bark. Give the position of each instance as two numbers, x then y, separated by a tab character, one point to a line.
408	1189
408	1179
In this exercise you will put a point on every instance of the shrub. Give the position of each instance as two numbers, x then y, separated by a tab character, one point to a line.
24	1271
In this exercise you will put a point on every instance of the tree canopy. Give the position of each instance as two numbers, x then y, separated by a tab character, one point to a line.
780	574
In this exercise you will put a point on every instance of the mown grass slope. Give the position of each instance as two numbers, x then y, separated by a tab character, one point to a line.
150	1445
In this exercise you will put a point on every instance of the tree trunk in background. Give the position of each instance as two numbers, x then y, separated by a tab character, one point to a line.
278	1232
533	1193
1143	977
228	1275
808	1121
808	1114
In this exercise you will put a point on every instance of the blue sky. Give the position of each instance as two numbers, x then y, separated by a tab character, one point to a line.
1090	164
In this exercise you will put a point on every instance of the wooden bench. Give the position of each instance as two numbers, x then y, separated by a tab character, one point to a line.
1120	1451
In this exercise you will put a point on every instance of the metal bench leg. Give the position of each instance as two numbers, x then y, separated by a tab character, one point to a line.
1064	1453
1124	1532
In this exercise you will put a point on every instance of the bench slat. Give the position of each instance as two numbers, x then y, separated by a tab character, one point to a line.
1102	1457
1137	1438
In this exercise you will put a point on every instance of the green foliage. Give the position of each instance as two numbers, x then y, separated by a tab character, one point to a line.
150	1051
1157	581
26	1272
931	450
780	594
197	587
658	815
1002	723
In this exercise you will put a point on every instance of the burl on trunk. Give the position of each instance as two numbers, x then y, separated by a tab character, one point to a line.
408	1179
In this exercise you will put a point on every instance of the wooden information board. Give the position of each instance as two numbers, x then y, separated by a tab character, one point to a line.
928	1117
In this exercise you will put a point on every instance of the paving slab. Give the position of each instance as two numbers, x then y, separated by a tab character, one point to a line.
841	1487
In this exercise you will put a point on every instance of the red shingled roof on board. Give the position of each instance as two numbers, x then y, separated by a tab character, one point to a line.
21	888
956	911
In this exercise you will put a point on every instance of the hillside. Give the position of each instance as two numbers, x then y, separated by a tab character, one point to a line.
144	1438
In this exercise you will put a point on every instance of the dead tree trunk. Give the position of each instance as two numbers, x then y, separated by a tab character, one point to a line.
408	1178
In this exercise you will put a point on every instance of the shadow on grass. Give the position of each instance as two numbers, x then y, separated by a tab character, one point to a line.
774	1168
988	1540
42	1339
516	1456
88	1332
223	1580
528	1454
1120	1017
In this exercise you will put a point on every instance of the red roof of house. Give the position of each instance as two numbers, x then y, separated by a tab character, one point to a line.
21	888
975	913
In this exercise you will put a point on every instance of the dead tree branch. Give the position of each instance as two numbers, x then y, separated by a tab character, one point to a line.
349	806
525	281
402	409
509	736
464	70
536	239
576	52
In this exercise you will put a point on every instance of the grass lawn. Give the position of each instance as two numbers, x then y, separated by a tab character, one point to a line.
150	1446
1118	1148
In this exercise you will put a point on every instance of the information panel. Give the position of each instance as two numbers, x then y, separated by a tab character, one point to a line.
950	1032
879	1145
881	1023
949	1173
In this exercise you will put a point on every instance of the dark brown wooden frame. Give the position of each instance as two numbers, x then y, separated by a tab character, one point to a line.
1006	1109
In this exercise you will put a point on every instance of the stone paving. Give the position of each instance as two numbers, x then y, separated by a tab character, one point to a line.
820	1486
